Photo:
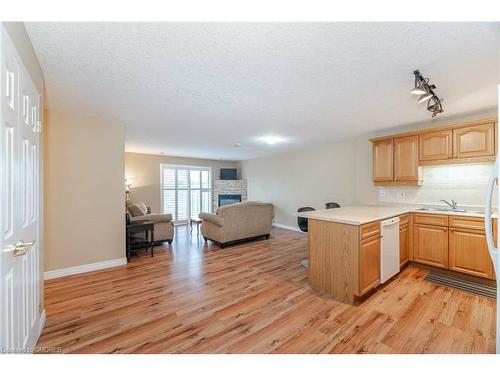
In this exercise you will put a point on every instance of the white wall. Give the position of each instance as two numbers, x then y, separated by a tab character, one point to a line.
309	177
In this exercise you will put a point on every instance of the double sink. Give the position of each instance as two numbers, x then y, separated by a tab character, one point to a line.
449	209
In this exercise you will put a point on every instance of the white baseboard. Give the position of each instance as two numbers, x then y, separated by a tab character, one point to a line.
84	268
288	227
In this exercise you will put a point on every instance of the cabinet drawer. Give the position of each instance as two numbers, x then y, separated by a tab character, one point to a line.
370	229
403	220
467	222
431	219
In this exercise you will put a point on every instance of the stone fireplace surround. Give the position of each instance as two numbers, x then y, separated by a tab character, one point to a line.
228	187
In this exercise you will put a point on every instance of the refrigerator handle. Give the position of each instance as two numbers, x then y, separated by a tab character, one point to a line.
487	216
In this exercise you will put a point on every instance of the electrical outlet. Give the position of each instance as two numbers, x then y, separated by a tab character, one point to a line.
381	193
401	195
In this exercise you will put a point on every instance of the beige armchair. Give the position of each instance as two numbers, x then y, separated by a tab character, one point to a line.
237	222
164	227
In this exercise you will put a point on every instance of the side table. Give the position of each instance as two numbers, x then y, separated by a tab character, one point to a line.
148	227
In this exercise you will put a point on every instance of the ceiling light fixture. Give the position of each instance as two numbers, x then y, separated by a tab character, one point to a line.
425	97
420	83
271	139
435	108
426	92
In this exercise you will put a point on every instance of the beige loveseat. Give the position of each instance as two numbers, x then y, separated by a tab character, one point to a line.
164	227
236	222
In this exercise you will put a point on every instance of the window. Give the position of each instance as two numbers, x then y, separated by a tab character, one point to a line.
186	191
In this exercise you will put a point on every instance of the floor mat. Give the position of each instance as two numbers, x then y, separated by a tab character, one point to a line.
468	286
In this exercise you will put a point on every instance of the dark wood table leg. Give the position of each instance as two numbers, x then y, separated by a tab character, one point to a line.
127	249
152	241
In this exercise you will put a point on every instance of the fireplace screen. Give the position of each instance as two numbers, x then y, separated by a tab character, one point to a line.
226	199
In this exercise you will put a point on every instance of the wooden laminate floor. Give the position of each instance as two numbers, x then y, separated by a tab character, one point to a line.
254	298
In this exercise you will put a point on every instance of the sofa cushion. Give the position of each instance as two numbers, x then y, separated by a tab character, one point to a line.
137	208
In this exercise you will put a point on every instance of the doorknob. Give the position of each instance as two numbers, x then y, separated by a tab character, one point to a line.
21	248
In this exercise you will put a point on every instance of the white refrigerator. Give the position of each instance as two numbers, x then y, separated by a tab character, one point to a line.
494	251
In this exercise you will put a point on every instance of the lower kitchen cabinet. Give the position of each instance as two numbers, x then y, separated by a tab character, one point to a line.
430	245
468	253
403	244
369	264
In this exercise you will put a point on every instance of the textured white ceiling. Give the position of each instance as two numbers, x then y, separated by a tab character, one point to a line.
196	89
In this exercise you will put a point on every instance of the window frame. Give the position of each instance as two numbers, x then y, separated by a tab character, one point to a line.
189	168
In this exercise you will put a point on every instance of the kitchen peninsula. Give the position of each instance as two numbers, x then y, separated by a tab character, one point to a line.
345	245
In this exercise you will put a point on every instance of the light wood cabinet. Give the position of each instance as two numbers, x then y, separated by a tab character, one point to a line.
435	146
431	219
474	141
383	161
430	245
395	161
369	264
404	238
468	253
397	158
406	159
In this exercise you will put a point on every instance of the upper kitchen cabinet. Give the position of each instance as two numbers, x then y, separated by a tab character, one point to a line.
383	156
406	167
474	141
395	161
435	146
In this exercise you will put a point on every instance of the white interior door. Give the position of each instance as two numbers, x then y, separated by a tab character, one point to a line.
20	306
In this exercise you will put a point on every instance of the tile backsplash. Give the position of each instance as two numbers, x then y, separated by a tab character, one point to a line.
465	183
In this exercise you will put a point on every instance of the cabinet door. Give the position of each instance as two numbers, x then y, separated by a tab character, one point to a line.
469	253
383	161
369	264
406	159
435	146
474	141
403	244
430	245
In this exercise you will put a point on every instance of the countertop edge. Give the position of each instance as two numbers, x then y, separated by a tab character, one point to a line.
314	216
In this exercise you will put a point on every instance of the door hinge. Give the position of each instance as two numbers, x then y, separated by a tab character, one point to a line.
40	308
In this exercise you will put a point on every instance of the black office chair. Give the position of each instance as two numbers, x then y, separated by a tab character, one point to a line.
302	221
331	205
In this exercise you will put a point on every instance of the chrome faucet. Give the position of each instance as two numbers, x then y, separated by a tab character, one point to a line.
453	204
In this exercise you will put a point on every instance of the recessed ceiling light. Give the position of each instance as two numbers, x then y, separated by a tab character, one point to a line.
271	139
237	144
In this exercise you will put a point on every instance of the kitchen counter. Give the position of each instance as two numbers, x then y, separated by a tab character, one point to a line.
359	215
344	245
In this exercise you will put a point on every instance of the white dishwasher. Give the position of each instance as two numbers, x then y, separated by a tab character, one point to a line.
389	249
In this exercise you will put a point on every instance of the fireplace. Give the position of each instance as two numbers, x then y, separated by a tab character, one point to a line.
226	199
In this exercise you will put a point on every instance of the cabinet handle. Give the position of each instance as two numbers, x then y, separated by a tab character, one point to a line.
451	229
445	229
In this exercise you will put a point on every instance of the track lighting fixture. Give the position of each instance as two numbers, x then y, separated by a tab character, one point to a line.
426	92
436	108
427	95
420	83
